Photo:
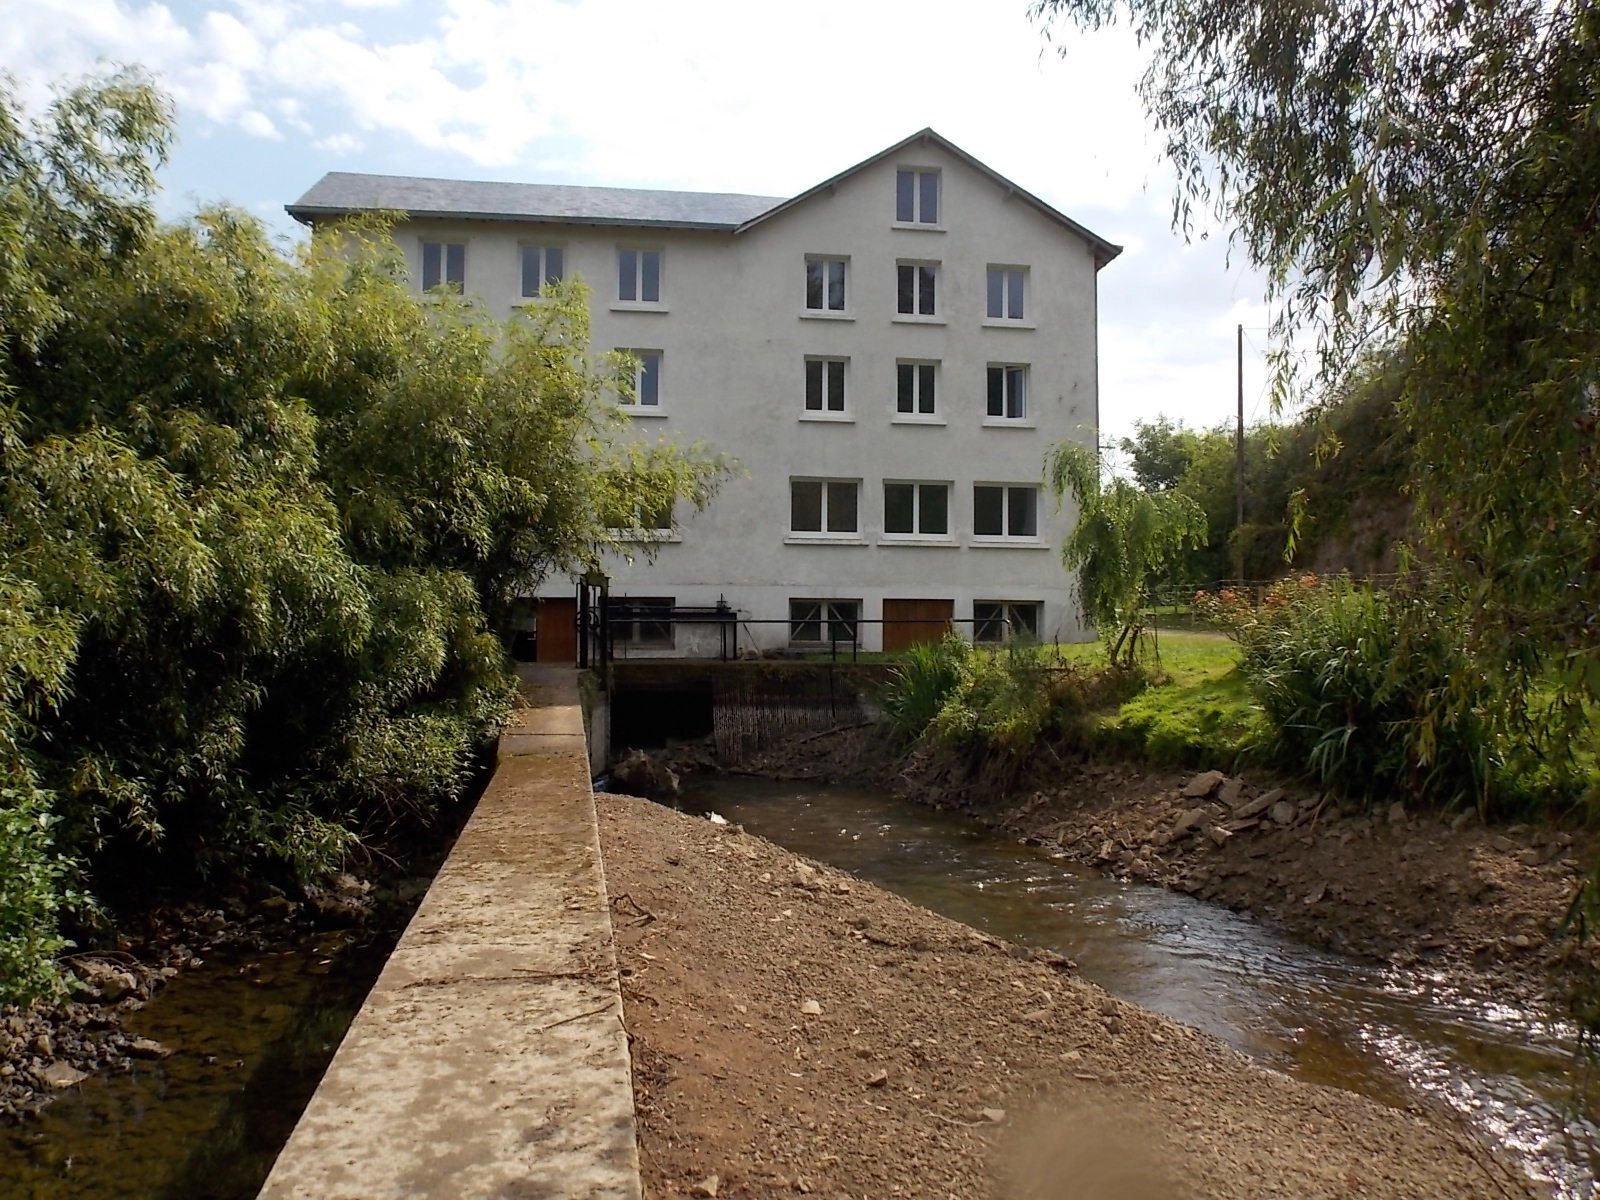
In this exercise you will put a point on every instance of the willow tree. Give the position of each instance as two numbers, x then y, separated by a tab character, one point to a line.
1124	539
1423	174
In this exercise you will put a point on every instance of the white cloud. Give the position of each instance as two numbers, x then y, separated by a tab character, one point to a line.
257	124
339	143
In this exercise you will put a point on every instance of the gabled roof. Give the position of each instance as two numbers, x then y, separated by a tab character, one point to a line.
342	194
1104	251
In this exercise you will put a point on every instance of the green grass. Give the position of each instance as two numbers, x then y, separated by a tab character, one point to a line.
1197	712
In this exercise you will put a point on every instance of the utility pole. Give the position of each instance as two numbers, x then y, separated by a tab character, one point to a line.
1238	466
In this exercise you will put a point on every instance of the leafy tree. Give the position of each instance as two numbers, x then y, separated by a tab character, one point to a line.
1159	453
1425	174
258	516
1123	540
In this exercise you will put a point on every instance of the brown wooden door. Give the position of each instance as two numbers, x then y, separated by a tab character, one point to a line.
558	631
907	622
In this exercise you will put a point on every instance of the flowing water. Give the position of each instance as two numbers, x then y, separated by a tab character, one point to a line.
1397	1036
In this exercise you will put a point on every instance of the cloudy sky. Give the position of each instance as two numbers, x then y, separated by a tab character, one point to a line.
720	95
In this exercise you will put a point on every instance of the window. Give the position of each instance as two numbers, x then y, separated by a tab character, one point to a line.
916	197
645	518
825	385
542	265
824	506
916	388
1010	511
824	621
639	276
825	278
444	264
916	288
1006	285
922	509
641	621
646	380
1008	392
1005	620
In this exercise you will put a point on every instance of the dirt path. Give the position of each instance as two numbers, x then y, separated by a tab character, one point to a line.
796	1031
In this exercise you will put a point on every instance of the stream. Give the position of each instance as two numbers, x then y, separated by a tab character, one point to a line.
1400	1037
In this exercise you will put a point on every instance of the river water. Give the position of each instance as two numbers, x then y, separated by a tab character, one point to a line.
1397	1036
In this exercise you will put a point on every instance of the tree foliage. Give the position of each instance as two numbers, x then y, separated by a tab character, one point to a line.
1124	539
1426	174
258	516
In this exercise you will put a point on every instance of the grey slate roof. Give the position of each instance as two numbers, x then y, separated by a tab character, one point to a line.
340	193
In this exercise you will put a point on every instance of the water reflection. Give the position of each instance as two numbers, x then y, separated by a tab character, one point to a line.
1388	1034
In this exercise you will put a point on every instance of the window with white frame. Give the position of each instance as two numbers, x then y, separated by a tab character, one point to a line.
1005	510
916	197
646	380
542	266
644	622
444	265
638	276
995	621
1008	392
825	506
1007	286
825	284
916	388
916	509
644	518
825	385
916	284
824	622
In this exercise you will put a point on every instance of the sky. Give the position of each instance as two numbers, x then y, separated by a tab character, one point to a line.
713	95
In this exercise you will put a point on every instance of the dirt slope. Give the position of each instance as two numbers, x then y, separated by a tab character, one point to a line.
938	1062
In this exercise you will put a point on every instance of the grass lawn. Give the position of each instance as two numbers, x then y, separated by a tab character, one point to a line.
1198	712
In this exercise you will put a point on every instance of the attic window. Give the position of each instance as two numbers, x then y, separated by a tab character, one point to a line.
916	197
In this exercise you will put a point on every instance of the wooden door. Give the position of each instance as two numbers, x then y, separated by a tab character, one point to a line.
558	631
907	622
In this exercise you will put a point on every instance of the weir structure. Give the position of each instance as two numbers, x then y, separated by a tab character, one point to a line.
490	1058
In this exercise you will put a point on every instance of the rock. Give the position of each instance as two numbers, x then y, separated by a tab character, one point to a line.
1315	895
1218	835
61	1075
104	980
1530	857
1203	785
277	906
1260	804
1503	844
707	1187
805	876
992	1115
147	1048
1229	794
1194	819
44	1046
1397	813
811	1008
640	775
1461	820
878	1079
1284	813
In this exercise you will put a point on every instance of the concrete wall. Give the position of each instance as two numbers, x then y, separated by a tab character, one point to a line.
734	335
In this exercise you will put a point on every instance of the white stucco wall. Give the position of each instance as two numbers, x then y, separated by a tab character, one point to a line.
734	335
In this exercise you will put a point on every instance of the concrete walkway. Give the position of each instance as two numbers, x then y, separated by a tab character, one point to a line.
490	1058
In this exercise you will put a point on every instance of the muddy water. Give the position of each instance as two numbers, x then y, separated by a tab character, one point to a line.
1397	1036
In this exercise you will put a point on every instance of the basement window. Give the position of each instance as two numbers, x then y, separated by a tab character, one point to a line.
642	622
824	622
999	621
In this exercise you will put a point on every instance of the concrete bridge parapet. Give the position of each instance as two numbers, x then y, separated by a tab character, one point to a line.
490	1059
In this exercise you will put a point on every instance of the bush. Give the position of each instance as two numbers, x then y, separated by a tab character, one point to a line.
921	683
1374	693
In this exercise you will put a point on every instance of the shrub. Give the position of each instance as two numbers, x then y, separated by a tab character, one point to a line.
921	683
1372	692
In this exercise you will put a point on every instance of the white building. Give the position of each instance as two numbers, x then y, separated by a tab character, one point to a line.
889	355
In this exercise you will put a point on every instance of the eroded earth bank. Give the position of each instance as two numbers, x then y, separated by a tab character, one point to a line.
798	1031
